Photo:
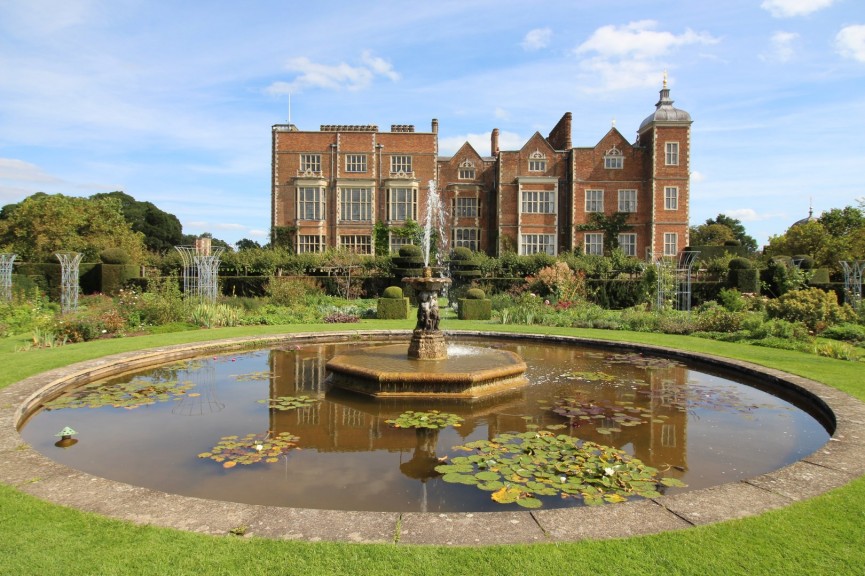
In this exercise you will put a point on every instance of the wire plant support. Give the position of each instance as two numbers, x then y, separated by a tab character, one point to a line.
69	264
200	270
6	261
674	280
853	282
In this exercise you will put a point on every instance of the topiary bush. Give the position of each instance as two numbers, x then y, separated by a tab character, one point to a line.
740	263
475	309
392	292
114	256
475	294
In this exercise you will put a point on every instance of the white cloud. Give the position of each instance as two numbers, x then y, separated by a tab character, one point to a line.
338	77
697	177
630	56
21	171
791	8
537	39
749	215
501	113
781	47
850	42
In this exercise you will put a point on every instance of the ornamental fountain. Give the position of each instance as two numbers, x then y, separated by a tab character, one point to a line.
430	368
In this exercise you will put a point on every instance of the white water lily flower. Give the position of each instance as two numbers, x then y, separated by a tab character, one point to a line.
610	471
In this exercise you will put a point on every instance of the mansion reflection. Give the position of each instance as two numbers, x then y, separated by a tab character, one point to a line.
346	422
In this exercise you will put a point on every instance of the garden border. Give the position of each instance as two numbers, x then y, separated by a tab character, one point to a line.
836	463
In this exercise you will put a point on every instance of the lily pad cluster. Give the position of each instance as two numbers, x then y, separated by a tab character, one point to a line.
433	420
129	395
597	376
251	449
289	402
646	362
254	376
520	468
588	412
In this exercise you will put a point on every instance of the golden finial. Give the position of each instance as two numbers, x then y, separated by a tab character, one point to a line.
614	122
665	78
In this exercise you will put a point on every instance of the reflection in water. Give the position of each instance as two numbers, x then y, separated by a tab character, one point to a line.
697	426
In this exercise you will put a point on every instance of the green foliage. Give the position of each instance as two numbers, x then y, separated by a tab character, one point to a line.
25	313
611	226
289	402
128	395
735	226
393	308
208	315
813	307
740	263
251	449
432	420
114	256
162	231
714	318
519	468
474	308
392	292
475	294
847	331
732	300
285	291
42	225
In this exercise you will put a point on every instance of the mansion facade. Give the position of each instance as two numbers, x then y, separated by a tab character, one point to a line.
331	187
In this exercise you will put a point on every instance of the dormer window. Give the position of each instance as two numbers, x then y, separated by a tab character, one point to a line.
466	170
613	159
537	162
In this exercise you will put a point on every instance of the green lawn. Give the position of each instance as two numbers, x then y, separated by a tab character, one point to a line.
825	535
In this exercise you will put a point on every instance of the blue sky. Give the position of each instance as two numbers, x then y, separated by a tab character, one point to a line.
173	102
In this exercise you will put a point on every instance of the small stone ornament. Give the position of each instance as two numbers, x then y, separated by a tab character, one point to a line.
66	439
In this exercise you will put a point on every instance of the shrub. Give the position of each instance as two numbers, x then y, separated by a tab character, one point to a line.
392	292
392	308
740	263
714	318
114	256
847	331
813	307
341	318
461	253
285	291
475	294
474	308
732	300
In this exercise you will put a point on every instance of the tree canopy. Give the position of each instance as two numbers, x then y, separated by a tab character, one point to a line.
837	235
712	233
162	231
43	224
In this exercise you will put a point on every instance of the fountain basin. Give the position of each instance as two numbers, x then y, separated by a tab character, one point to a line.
386	372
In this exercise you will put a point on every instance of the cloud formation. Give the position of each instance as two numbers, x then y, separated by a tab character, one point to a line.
537	39
850	42
339	77
791	8
630	56
781	47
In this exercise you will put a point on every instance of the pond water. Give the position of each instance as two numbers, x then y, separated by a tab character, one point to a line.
157	428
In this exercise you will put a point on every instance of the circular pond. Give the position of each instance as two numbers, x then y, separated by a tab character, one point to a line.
265	427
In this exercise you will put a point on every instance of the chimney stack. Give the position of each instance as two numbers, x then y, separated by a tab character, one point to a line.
494	142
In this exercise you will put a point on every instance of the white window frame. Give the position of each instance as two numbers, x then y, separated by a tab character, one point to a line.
401	204
593	243
628	243
466	170
355	163
594	200
467	238
538	202
310	163
310	203
671	198
613	159
465	207
671	244
355	204
400	164
357	243
309	243
628	200
537	161
671	153
538	243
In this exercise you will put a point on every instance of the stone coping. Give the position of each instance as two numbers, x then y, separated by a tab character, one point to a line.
839	461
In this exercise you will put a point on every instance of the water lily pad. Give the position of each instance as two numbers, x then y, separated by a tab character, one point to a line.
432	420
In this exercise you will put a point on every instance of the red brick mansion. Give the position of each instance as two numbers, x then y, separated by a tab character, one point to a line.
330	187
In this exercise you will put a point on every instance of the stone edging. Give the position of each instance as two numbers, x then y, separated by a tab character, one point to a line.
839	461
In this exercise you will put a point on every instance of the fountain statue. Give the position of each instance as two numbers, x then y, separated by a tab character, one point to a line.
427	370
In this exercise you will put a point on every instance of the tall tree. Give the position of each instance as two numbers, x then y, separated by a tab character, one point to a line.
710	235
736	228
162	231
42	225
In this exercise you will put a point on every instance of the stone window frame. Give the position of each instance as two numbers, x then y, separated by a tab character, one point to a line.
401	164
310	243
357	243
626	204
466	237
593	243
537	161
311	203
671	153
538	243
671	197
355	163
628	243
409	204
538	202
466	170
594	200
614	159
671	243
348	205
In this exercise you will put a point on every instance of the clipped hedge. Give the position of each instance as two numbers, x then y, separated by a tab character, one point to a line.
474	309
392	308
745	280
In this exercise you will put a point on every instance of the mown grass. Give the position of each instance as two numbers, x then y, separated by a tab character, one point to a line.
823	535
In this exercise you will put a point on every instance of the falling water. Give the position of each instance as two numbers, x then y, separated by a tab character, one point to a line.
435	220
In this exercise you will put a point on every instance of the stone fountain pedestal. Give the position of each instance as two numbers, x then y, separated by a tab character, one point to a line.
427	341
